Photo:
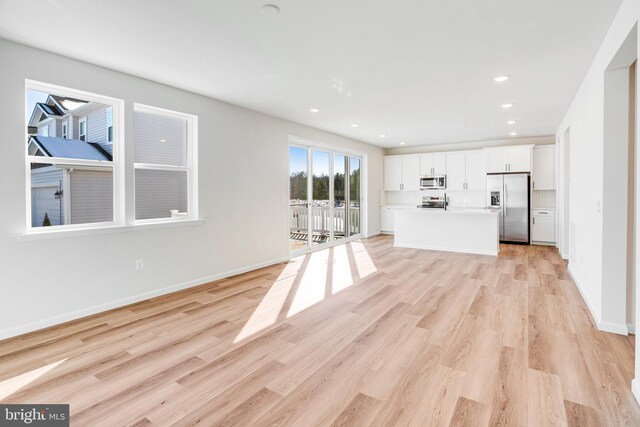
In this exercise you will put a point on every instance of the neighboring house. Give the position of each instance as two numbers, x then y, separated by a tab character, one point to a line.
70	128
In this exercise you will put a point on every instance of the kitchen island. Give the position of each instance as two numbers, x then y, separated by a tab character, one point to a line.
468	230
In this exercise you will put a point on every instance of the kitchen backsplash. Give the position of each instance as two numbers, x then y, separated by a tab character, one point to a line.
543	199
457	199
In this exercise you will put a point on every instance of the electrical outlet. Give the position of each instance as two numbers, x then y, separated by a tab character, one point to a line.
139	264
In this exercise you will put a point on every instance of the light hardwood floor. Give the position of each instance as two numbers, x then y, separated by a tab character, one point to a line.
361	334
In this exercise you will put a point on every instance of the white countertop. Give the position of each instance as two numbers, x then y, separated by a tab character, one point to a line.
454	211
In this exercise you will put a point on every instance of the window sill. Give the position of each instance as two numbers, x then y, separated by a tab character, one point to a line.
55	234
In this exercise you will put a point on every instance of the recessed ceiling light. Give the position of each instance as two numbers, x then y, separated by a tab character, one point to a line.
513	133
501	79
163	140
314	110
403	143
354	125
270	9
511	122
507	105
383	135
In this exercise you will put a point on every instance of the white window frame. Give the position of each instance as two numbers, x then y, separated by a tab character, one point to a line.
109	125
80	128
116	165
191	167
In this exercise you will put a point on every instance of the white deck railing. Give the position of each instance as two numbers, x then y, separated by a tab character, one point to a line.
321	219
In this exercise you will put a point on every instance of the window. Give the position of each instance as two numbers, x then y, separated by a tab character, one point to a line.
82	129
165	162
109	124
72	182
43	130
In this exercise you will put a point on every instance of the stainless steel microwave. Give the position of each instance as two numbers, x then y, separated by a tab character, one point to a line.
433	182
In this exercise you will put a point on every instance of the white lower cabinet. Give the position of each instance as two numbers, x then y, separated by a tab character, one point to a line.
386	220
543	226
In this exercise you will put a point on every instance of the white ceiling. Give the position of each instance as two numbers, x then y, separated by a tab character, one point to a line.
416	70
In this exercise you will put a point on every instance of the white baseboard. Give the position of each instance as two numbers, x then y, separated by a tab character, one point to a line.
375	233
615	328
635	388
595	316
631	329
446	249
56	320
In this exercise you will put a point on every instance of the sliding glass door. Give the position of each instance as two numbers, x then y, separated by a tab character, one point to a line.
320	230
354	196
326	207
298	198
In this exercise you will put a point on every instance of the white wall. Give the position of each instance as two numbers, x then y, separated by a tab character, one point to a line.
243	198
586	121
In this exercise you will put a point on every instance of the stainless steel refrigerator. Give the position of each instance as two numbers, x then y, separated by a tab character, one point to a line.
510	194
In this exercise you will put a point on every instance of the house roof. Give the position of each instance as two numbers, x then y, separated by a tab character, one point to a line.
70	148
50	109
65	103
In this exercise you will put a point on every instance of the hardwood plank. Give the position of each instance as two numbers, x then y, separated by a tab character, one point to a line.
469	413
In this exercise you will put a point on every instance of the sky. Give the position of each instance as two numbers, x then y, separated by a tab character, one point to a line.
33	97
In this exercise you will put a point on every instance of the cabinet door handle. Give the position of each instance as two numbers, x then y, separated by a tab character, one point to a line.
534	220
534	185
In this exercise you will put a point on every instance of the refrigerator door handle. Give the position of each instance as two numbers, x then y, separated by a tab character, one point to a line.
504	209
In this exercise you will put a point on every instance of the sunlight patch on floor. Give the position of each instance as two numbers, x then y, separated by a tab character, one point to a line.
364	263
312	285
12	385
266	314
341	276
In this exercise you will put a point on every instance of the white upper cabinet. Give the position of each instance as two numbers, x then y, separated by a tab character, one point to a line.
519	158
497	159
516	158
433	164
476	172
410	173
393	173
401	173
456	176
543	167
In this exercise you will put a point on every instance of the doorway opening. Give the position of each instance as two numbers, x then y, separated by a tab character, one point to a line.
618	190
565	197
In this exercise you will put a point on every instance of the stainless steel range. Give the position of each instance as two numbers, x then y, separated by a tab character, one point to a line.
434	202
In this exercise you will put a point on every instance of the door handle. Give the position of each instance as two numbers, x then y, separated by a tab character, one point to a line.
534	220
534	185
505	200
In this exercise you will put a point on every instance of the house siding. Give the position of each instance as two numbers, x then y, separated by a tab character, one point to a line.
43	129
91	196
97	126
44	183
